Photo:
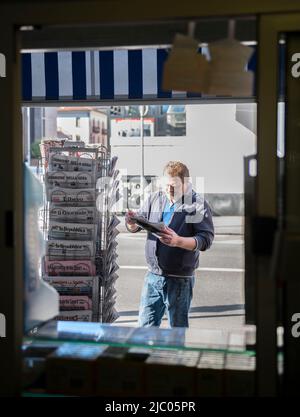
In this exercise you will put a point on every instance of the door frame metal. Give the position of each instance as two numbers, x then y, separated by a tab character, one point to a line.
270	27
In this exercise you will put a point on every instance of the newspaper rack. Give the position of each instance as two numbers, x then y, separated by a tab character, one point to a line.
80	188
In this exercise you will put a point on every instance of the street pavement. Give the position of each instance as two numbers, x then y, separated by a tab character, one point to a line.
218	298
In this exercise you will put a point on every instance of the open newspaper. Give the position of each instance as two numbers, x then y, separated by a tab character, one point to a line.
154	228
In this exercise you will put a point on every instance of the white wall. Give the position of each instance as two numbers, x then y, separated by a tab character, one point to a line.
68	125
213	148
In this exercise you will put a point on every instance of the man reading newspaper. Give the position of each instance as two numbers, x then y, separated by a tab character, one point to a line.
172	255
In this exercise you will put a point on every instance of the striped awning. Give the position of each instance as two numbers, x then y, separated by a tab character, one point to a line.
104	75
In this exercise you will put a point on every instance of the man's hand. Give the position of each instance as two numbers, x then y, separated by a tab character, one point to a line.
169	237
129	217
131	223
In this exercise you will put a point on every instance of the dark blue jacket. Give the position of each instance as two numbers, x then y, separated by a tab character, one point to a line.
192	217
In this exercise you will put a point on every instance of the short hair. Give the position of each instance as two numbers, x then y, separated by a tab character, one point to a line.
177	169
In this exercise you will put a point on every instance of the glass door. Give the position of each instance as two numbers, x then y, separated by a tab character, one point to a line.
276	224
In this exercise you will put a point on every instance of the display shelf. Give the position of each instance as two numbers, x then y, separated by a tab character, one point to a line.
233	341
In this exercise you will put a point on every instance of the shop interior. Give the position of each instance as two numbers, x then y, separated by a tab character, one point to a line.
74	341
94	296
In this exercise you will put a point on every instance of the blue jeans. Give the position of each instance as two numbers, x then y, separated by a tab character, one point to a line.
161	294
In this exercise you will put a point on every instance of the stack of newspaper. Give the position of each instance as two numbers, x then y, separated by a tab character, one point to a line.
107	261
73	263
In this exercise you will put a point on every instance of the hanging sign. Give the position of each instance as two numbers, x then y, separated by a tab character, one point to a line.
227	73
185	69
224	75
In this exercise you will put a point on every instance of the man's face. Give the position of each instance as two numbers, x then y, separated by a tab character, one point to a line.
174	187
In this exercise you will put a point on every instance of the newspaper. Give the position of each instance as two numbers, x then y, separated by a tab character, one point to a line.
84	315
111	279
72	143
72	214
75	302
45	148
74	285
71	179
69	249
109	292
72	197
114	221
151	227
61	162
72	231
69	268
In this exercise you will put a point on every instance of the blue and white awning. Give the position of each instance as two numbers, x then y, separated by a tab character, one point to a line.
98	75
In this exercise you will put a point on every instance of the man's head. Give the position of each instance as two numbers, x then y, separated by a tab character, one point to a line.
177	178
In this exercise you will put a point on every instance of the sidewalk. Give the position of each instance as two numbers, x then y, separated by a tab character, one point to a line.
218	300
216	321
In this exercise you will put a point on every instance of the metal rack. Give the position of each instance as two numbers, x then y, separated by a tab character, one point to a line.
108	194
78	245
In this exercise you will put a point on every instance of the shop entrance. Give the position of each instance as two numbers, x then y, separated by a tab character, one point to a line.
93	97
215	155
